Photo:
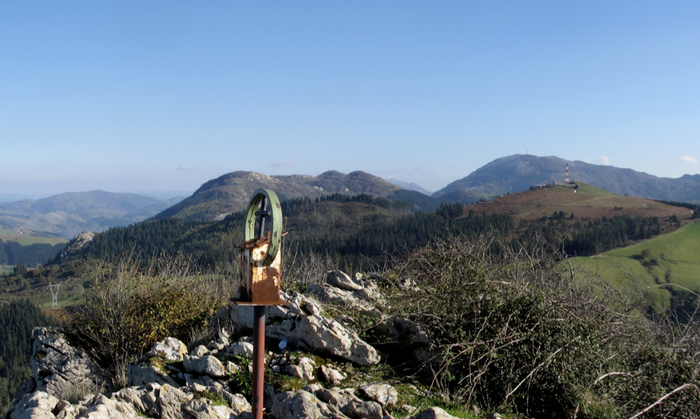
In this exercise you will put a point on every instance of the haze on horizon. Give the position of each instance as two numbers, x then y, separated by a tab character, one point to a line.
163	96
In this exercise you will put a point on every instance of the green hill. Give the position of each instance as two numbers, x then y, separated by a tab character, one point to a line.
667	267
231	192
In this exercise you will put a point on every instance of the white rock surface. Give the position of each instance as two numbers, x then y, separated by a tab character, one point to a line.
207	364
384	394
169	349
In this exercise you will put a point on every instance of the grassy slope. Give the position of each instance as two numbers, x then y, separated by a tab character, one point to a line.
588	203
25	240
678	257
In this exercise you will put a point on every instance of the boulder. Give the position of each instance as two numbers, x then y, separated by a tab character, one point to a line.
340	279
37	405
143	373
324	335
384	394
302	404
244	349
169	349
332	376
207	364
98	406
155	400
62	370
302	324
433	413
199	351
349	404
203	409
304	369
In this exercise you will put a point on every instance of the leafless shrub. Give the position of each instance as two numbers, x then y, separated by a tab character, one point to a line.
526	329
301	268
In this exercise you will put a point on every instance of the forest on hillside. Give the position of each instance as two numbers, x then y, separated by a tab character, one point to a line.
361	232
12	253
17	319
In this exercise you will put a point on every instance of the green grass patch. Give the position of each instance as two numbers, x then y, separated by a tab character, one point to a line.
671	261
30	240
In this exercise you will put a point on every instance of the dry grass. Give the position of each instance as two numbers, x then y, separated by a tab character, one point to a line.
588	203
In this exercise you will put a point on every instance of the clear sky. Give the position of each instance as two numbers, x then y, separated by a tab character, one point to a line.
165	95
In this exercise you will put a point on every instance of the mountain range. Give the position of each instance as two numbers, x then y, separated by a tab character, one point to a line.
518	172
68	214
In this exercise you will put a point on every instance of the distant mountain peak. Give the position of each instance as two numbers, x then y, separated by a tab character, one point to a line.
518	172
231	192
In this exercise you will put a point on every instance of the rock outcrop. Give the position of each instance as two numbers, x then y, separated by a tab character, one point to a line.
174	382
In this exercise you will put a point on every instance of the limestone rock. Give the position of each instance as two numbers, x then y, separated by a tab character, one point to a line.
349	404
169	349
340	279
244	349
322	334
433	413
331	375
155	400
205	365
60	369
238	402
199	351
203	409
37	405
101	407
384	394
142	373
304	369
302	404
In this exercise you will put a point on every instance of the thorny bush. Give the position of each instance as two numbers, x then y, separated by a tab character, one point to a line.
130	308
527	332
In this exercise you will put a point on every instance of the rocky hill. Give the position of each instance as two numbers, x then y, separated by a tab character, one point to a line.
231	192
68	214
518	172
176	381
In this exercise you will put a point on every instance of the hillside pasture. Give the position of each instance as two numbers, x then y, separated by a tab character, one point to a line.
666	267
586	203
26	239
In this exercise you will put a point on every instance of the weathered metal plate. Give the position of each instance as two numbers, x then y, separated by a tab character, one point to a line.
260	283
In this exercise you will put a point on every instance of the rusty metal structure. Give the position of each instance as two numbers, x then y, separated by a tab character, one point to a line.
261	276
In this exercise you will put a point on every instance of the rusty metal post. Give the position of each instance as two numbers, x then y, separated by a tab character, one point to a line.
261	262
258	361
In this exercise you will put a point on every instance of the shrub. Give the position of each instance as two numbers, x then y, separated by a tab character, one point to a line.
523	331
127	311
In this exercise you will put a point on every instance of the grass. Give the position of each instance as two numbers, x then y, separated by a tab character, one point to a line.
587	203
26	239
30	240
673	262
68	295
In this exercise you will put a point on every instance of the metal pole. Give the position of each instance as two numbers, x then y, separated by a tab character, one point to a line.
258	361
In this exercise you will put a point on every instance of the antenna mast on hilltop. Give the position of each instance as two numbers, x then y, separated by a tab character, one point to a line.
54	295
566	175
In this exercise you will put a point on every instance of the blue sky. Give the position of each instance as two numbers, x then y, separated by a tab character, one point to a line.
165	95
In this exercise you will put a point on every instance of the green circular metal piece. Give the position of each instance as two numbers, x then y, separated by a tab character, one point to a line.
275	210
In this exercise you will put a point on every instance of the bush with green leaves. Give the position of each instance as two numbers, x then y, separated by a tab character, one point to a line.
129	309
526	332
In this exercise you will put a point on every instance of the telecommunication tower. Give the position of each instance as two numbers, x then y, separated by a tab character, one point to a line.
566	175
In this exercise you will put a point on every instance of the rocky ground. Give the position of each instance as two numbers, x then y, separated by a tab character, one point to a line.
321	368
